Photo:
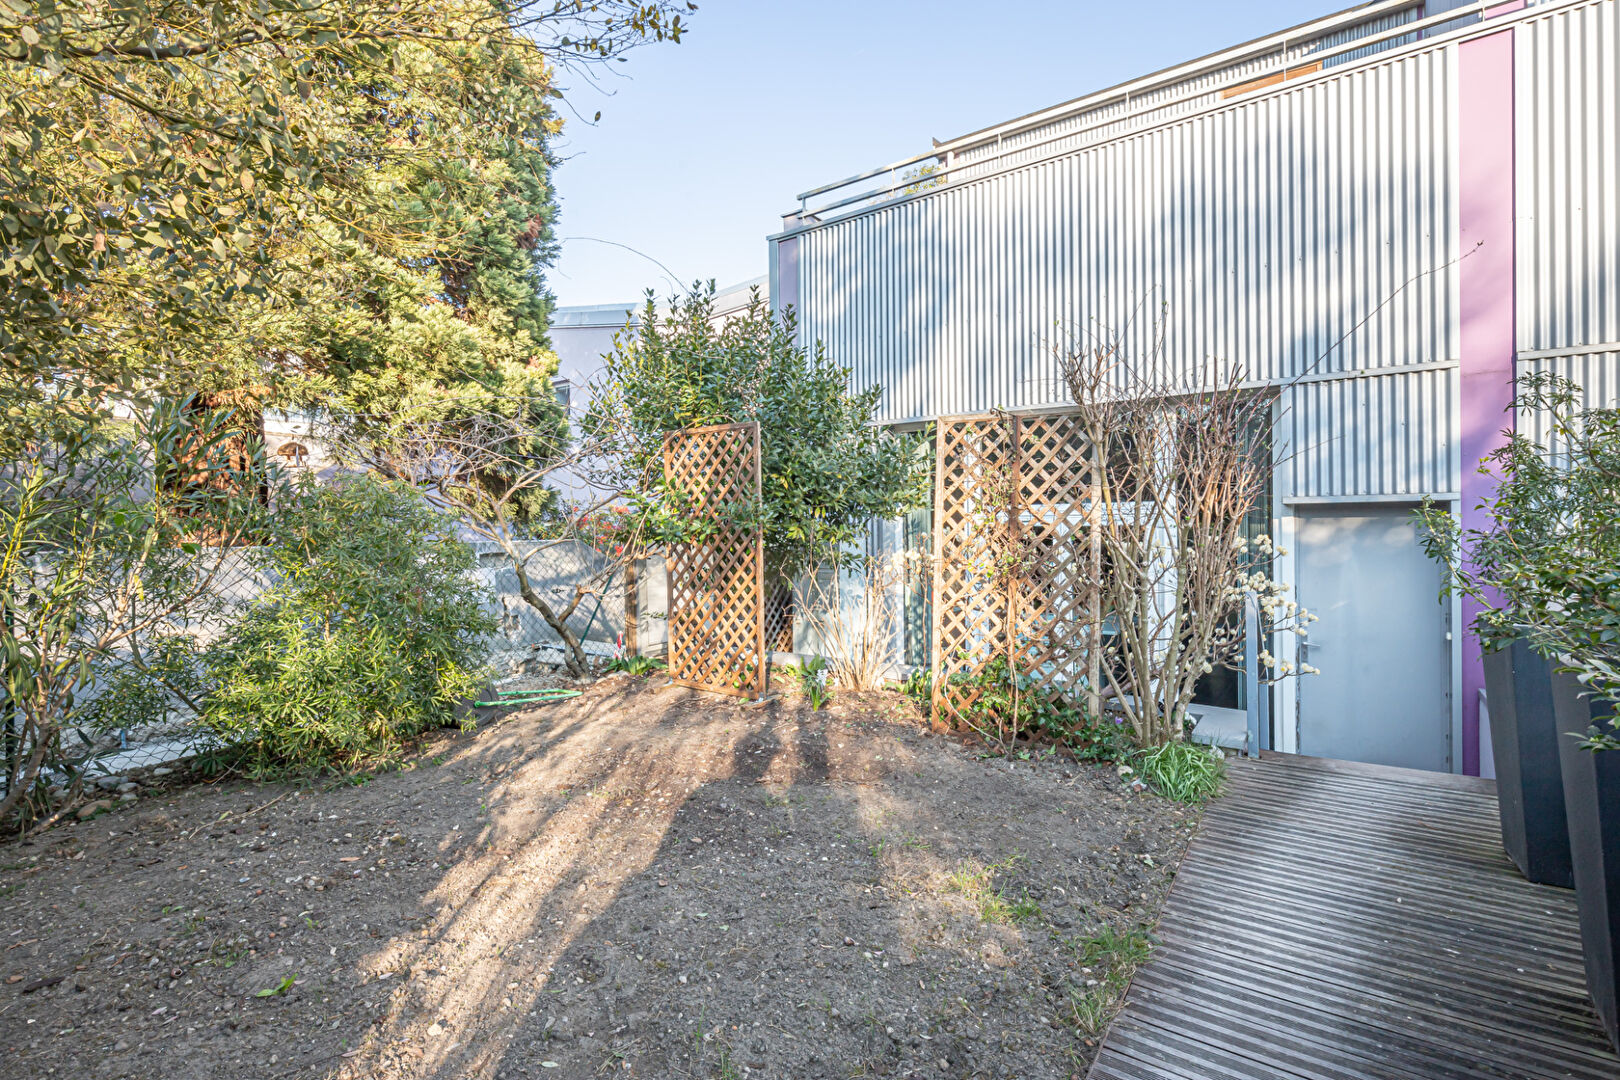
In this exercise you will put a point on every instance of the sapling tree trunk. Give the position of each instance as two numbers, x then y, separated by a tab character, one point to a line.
574	656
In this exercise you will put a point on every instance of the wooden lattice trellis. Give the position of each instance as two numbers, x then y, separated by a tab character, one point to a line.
717	584
1050	610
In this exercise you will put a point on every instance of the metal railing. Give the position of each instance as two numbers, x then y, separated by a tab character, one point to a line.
939	166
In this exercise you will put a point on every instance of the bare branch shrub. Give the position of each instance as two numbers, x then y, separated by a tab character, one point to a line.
1180	467
513	483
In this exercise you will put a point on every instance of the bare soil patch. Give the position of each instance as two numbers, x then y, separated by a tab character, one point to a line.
641	881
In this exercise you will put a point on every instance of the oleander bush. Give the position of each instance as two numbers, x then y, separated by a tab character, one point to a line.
370	633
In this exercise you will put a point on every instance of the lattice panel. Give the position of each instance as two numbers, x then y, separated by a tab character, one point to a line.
970	615
1030	477
717	586
1059	624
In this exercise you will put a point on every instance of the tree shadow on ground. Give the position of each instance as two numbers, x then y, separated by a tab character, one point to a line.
710	890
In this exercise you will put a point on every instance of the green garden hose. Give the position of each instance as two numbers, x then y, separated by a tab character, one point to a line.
529	697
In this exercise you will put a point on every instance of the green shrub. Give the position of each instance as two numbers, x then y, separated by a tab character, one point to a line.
1183	771
1547	566
370	633
138	695
1036	716
919	687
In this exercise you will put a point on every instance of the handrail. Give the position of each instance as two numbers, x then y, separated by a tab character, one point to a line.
936	177
1363	13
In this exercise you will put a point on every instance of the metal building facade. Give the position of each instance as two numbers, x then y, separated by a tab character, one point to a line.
1288	209
1568	193
955	300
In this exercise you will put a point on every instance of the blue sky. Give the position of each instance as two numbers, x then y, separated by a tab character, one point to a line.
703	145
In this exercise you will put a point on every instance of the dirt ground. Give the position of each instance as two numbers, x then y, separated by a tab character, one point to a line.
641	882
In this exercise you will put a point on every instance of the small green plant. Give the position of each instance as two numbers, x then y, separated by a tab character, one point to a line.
919	687
635	665
978	885
226	954
1037	716
280	988
1113	947
1183	771
1113	957
1023	909
812	679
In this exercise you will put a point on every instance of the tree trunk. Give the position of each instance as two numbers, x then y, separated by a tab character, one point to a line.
574	658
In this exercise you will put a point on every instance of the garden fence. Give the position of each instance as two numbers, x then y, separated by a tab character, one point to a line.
717	580
1015	559
523	643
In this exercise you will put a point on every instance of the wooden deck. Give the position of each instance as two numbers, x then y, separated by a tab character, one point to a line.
1348	922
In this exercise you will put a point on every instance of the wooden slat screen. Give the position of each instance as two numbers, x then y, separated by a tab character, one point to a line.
717	585
1051	610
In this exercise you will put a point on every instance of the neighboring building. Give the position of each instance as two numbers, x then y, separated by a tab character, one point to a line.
290	439
1384	214
582	335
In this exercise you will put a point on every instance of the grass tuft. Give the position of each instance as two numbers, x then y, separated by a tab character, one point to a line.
994	907
1113	958
1183	771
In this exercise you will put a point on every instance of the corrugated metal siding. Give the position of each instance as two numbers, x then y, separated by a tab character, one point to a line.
1598	375
1178	98
1568	182
1387	434
1367	29
1266	234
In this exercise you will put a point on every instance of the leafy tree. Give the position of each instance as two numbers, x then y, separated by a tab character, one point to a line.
458	325
827	468
179	183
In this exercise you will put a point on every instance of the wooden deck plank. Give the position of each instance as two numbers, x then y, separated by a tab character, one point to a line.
1337	921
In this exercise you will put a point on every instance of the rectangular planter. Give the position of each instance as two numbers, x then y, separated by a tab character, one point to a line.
1592	800
1529	777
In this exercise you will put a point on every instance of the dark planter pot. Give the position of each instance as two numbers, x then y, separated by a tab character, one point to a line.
1592	799
1529	778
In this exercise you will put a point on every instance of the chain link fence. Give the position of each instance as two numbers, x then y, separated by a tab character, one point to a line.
107	751
523	643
